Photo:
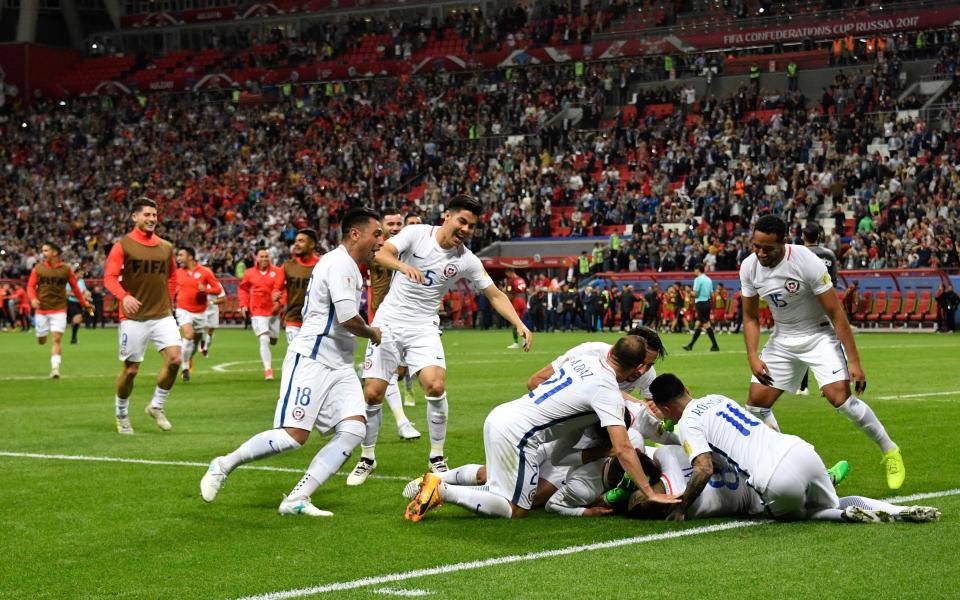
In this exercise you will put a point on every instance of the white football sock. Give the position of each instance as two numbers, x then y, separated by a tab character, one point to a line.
121	404
462	475
265	443
159	397
186	350
479	501
827	514
437	420
265	357
765	415
55	360
395	401
207	340
374	416
330	458
871	504
863	417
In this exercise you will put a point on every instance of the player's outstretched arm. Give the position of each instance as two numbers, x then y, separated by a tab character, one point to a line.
631	464
702	471
834	310
751	337
388	257
503	306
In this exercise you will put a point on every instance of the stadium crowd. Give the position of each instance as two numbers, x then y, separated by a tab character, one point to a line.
231	176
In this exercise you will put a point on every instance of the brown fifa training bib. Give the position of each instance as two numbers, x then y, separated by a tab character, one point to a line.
297	277
145	274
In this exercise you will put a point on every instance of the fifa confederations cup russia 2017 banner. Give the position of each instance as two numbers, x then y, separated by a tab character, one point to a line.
817	30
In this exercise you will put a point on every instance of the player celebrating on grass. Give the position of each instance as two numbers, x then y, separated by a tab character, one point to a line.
434	258
256	299
812	332
194	283
146	297
46	289
784	470
319	387
585	392
292	279
380	277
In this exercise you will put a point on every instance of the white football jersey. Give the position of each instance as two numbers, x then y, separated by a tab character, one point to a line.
790	289
717	424
725	495
583	392
333	296
601	349
410	304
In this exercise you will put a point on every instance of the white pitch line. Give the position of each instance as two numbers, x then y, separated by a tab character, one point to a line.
171	463
502	560
514	558
401	592
924	395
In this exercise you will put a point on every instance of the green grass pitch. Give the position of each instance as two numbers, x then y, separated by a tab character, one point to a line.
91	528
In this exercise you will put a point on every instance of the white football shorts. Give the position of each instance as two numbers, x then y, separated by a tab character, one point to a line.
212	316
134	336
418	347
266	325
196	320
512	472
291	331
55	322
800	486
788	357
314	396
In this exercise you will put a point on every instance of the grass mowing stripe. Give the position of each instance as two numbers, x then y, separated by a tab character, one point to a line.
501	560
479	564
171	463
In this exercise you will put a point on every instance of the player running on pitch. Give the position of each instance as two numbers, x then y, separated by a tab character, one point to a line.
255	296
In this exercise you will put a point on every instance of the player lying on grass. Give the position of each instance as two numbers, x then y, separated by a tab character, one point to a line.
585	391
784	470
727	494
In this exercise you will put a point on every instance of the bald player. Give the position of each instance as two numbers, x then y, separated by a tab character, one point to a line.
145	262
46	289
292	279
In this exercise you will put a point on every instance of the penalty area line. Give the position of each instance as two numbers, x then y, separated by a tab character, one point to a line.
169	463
516	558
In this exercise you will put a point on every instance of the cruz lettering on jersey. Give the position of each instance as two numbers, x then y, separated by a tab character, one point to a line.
702	407
581	369
148	266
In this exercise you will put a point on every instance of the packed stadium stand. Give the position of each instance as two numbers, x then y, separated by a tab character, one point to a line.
255	121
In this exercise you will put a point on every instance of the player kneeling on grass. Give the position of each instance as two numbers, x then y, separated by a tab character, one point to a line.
784	470
585	391
319	387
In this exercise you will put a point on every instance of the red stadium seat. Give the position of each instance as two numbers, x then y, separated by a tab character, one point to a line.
909	307
923	307
893	307
866	303
879	305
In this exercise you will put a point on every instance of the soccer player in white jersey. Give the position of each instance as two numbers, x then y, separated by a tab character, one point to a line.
429	259
784	470
585	391
647	423
811	331
319	387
